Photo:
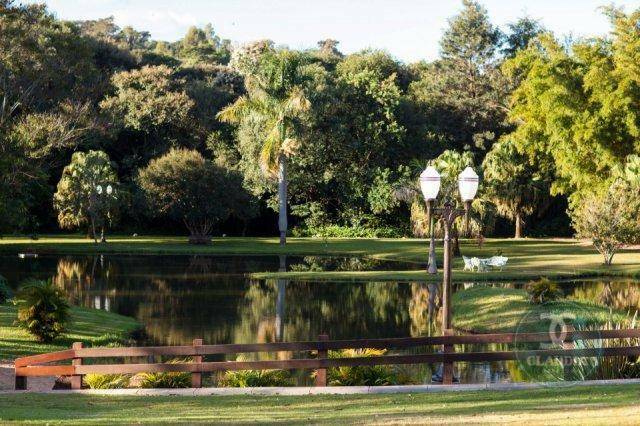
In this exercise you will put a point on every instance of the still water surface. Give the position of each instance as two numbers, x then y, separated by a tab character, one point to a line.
179	298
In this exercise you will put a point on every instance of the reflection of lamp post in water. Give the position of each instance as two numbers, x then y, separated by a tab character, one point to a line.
280	299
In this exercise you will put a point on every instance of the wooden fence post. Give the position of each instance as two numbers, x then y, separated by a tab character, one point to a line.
447	367
567	361
321	373
196	378
76	379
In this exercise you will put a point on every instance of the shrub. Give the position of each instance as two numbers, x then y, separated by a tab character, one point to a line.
255	378
5	293
609	367
378	375
171	380
43	310
609	220
543	291
336	231
107	381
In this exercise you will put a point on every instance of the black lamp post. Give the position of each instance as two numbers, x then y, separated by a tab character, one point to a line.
430	186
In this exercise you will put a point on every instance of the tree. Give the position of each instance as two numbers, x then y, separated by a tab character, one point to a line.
87	192
463	93
183	186
610	219
276	100
520	35
575	109
514	185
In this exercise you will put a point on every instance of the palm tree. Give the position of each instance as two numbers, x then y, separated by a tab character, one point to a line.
276	98
514	185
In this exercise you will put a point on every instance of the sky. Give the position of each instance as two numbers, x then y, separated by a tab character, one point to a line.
409	29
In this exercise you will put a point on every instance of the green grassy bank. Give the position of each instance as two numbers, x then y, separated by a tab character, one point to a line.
570	405
496	309
91	326
528	258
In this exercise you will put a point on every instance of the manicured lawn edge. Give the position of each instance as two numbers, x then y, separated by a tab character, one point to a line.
528	258
576	405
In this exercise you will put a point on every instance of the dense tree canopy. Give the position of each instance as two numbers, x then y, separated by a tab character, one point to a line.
550	121
185	186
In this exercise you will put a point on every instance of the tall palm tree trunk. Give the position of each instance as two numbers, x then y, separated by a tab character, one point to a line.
282	199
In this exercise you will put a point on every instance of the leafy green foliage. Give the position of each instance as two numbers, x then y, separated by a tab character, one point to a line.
377	375
184	186
162	380
107	381
83	195
543	291
255	378
610	219
573	107
5	293
43	310
513	184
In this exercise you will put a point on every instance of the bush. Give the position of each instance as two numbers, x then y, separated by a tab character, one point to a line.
378	375
168	380
609	220
543	291
107	381
5	293
255	378
43	310
609	367
336	231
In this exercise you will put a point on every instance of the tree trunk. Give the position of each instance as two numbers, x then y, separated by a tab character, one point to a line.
282	199
93	230
456	241
518	226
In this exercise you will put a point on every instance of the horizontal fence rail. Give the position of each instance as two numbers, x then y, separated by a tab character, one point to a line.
31	366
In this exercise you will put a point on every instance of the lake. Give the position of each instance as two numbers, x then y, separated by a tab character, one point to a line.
179	298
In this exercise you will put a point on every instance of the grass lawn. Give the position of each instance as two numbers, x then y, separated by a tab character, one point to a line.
528	258
495	309
87	325
571	405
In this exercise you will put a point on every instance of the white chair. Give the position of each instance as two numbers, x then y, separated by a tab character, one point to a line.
468	266
498	261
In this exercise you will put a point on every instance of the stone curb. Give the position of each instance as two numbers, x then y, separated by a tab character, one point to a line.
334	390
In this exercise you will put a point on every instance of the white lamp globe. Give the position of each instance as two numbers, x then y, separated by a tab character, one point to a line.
109	189
468	184
99	189
430	183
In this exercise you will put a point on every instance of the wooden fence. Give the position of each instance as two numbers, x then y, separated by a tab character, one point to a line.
40	365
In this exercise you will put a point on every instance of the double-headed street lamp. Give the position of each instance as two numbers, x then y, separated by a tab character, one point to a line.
430	186
107	190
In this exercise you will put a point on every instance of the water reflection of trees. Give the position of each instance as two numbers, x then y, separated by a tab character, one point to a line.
190	298
622	295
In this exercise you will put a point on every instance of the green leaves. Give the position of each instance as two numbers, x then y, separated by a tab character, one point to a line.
81	195
43	310
185	187
574	110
